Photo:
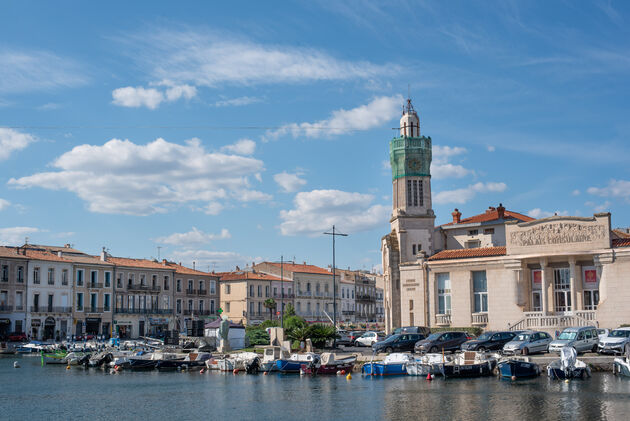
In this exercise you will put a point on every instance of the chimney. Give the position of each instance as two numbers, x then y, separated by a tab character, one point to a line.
501	211
67	246
304	263
163	262
457	216
103	255
59	253
193	265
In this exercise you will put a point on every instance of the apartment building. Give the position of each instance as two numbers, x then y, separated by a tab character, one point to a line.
13	266
243	294
196	295
364	294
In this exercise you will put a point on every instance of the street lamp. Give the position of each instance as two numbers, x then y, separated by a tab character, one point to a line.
334	234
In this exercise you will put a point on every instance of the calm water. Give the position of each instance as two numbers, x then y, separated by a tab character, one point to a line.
52	392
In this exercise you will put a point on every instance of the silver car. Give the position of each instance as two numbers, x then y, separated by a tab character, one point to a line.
618	342
528	342
583	339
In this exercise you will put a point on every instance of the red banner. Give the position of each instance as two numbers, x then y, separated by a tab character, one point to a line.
537	277
590	276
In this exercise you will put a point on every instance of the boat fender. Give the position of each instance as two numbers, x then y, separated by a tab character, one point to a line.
566	380
203	370
349	376
235	371
513	377
265	373
343	372
68	367
429	376
338	372
16	364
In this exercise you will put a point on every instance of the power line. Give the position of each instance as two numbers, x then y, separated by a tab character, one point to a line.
202	127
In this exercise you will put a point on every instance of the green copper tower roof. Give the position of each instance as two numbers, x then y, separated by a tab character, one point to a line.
410	156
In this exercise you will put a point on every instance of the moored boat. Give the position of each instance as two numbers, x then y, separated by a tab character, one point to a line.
271	354
427	364
621	366
7	349
469	364
295	363
237	361
331	364
393	365
54	356
517	368
568	366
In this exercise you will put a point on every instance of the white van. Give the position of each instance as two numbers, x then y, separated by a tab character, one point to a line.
583	339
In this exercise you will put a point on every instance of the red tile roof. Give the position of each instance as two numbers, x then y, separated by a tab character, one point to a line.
138	263
253	276
11	252
492	215
621	242
188	271
39	255
469	253
292	267
620	234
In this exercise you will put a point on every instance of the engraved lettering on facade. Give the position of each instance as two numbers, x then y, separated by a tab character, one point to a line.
558	233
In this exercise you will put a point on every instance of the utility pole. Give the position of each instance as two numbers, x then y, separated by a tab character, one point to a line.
159	248
282	292
334	234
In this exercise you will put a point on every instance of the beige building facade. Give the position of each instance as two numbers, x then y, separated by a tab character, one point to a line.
243	294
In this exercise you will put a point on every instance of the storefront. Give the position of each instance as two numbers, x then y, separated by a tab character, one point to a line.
157	326
92	325
35	325
49	328
123	329
5	328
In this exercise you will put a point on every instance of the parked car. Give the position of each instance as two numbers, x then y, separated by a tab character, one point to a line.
435	342
402	342
346	338
602	333
618	342
413	329
369	339
583	339
528	342
17	337
488	341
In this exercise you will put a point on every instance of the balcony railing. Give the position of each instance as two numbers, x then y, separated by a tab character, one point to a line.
365	297
304	293
480	318
5	308
93	309
443	319
50	309
19	308
94	285
140	287
196	312
536	320
285	296
347	312
144	311
201	292
190	291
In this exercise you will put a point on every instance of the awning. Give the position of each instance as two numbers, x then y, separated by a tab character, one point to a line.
5	321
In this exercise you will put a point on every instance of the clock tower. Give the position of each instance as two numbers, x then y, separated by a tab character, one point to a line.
410	241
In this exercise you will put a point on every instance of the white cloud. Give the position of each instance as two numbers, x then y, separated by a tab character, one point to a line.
441	167
213	260
491	148
615	188
289	182
237	102
602	207
466	194
4	204
210	59
151	98
575	192
28	71
318	210
241	147
193	237
539	213
123	177
365	117
13	140
15	235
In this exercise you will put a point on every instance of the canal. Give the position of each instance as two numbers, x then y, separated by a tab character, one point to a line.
33	392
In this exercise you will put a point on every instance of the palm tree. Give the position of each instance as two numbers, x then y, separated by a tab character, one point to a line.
270	303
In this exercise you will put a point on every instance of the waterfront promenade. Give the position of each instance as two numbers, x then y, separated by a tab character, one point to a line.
52	392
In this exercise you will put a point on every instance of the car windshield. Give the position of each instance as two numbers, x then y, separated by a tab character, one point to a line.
367	335
620	333
522	337
391	338
433	336
567	336
484	336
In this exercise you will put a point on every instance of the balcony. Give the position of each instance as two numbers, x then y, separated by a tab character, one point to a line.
536	320
5	308
93	310
94	285
140	287
480	319
365	297
304	294
347	312
286	296
196	313
144	311
201	292
51	309
255	315
190	291
443	319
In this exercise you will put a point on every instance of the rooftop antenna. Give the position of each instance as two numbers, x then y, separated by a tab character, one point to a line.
26	240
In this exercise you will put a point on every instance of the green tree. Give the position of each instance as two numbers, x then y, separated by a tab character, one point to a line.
270	303
289	310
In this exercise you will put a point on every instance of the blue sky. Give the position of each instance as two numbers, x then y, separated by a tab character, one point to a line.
227	132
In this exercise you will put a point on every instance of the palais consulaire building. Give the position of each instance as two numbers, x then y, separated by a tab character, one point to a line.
499	269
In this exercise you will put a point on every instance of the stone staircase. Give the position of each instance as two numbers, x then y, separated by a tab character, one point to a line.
535	320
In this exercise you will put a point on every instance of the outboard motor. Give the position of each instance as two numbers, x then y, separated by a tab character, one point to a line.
568	356
253	366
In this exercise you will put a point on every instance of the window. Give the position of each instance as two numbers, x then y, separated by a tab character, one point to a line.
154	281
93	278
213	287
190	286
108	279
19	300
251	290
409	194
473	244
488	231
200	285
444	293
267	291
166	283
143	280
51	276
36	302
480	291
200	305
260	290
251	308
106	302
227	307
227	289
179	285
190	305
411	306
119	281
259	308
211	306
20	274
317	307
64	277
5	273
93	302
179	306
50	302
36	279
591	299
79	301
413	249
79	281
562	289
473	232
414	193
591	287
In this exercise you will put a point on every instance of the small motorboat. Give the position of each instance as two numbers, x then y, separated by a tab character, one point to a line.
54	356
469	364
271	354
568	366
621	366
253	366
331	364
7	349
77	358
236	361
193	359
427	364
518	368
100	358
295	363
393	365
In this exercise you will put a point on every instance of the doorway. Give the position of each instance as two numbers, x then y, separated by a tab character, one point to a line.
49	328
562	290
141	328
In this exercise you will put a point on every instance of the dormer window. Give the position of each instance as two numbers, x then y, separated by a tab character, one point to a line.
488	231
473	232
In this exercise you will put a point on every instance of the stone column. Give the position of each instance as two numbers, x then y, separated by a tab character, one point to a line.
543	291
572	280
518	287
